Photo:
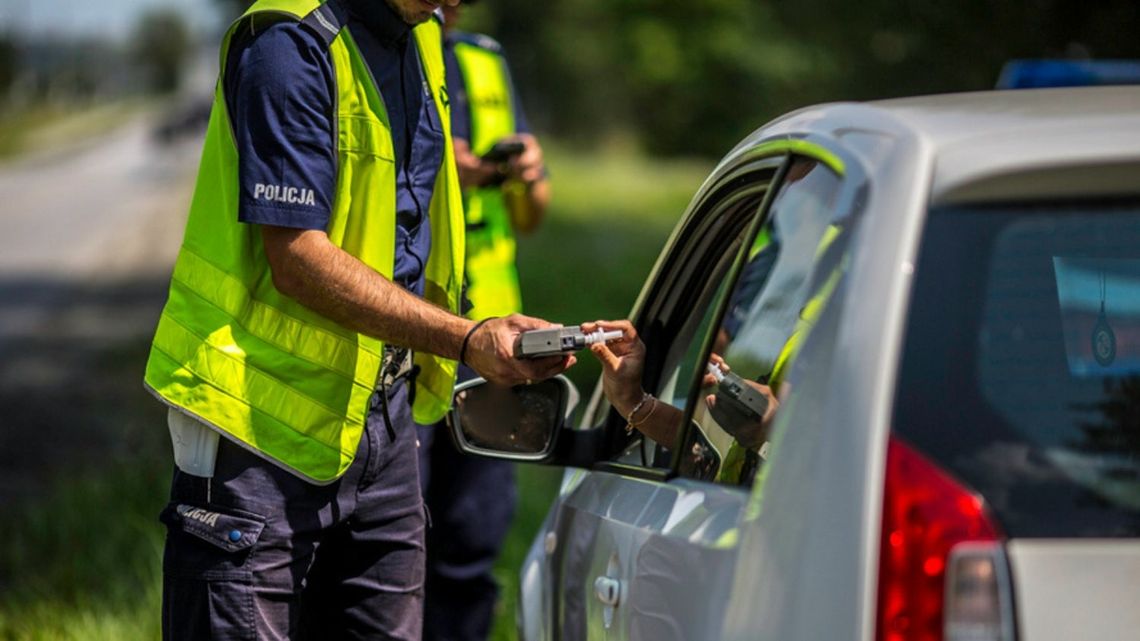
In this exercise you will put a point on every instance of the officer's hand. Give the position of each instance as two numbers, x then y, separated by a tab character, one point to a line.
491	352
473	170
528	166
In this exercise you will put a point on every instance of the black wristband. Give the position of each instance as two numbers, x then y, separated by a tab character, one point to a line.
467	337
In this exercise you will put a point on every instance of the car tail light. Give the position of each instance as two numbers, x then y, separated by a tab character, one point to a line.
978	595
926	515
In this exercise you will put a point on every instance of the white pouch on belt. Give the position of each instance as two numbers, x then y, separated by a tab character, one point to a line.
195	444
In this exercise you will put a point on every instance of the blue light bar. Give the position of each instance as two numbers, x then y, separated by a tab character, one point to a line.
1035	74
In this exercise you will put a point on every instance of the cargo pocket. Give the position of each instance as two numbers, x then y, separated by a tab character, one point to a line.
207	579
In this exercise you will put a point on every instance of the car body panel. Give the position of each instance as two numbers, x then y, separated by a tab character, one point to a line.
657	540
535	611
1051	575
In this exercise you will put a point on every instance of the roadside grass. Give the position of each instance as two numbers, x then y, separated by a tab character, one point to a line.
46	126
83	560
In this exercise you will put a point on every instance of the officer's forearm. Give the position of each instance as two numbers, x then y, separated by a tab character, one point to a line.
308	268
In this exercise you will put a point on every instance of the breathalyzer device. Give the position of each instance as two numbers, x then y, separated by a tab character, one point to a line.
559	340
741	401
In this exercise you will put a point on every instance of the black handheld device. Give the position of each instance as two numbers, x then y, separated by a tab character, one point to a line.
739	407
503	151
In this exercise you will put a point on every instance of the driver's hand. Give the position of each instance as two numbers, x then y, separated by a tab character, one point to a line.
623	361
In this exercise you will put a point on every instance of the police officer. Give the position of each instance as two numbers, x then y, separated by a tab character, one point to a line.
324	244
471	500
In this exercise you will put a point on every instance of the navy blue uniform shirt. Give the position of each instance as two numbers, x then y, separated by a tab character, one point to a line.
279	88
457	89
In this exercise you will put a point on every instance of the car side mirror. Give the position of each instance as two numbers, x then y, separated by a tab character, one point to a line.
519	423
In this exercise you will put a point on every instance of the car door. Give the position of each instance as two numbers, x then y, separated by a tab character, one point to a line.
642	546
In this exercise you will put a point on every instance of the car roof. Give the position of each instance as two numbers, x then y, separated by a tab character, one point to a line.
948	119
1027	140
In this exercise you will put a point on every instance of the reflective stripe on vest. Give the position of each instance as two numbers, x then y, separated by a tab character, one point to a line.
492	278
269	373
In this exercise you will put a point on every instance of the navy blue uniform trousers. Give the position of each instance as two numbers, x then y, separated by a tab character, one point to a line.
257	553
471	501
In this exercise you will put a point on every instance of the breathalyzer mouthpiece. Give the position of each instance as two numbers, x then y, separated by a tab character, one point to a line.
600	336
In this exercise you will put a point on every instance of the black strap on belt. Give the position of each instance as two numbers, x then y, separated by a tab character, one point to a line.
395	366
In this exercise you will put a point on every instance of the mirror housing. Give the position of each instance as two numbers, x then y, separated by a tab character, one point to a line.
520	423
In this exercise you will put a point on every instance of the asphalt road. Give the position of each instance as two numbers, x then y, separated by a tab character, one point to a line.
87	238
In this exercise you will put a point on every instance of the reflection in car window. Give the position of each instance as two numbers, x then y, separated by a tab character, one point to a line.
770	307
686	306
1027	386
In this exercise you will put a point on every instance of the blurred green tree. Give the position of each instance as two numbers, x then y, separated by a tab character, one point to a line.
160	46
684	77
890	49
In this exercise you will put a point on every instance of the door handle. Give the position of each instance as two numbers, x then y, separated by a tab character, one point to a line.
608	591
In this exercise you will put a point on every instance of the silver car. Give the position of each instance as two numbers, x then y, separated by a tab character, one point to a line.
944	295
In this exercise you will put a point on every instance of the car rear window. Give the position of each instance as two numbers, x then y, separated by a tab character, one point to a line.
1020	372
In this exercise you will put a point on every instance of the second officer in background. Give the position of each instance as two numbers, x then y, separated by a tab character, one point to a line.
505	188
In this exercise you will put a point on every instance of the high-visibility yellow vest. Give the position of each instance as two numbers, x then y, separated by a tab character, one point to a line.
235	353
492	278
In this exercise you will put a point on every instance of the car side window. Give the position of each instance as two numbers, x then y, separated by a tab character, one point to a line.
789	270
693	282
674	389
